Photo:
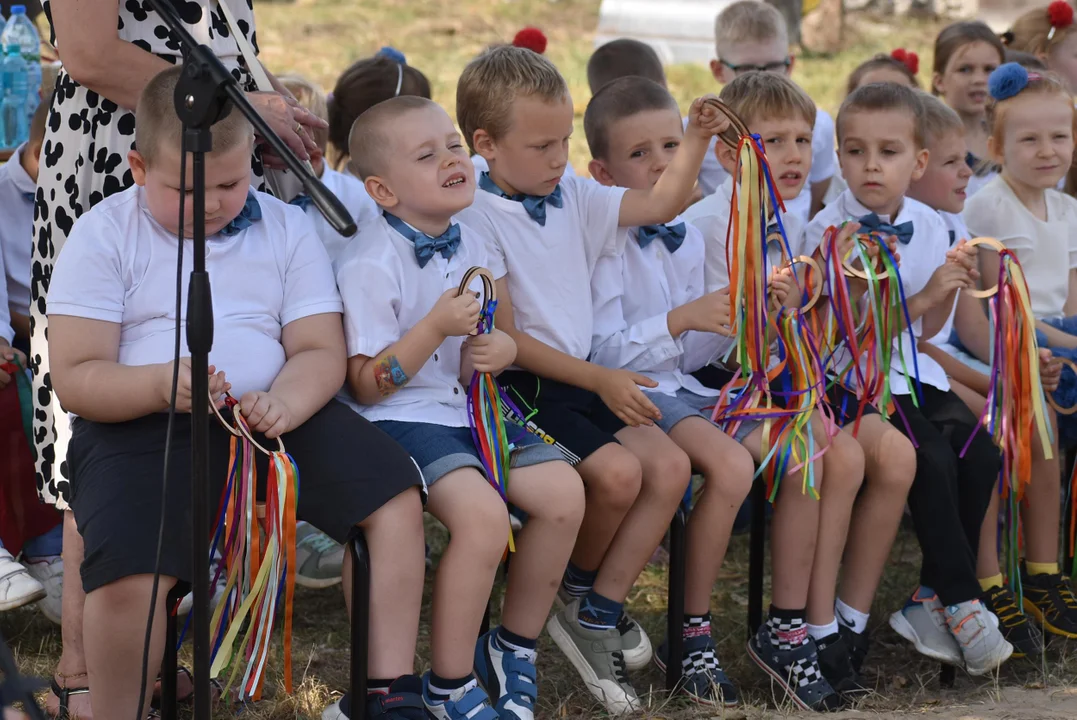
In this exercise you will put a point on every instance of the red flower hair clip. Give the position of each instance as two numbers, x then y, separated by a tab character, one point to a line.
1060	15
532	39
907	58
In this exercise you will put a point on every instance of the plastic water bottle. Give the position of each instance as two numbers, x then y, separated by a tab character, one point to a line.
19	30
13	108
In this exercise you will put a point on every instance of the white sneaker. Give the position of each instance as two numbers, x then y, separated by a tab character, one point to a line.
982	645
17	587
50	573
923	623
187	603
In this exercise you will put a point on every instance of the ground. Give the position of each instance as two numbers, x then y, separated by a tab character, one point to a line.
319	38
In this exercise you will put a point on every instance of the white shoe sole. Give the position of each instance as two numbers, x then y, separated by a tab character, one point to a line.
636	658
19	602
905	629
782	682
333	712
610	694
317	584
1002	657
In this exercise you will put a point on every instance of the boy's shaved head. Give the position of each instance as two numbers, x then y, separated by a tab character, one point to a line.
369	142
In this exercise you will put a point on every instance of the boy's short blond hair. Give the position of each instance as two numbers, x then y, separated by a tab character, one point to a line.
623	57
491	83
370	141
756	96
157	125
940	119
313	99
885	97
748	22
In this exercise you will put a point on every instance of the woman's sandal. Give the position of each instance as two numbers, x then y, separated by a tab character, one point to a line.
216	687
63	694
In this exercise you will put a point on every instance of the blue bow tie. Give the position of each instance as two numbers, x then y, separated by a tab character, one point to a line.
671	235
250	214
425	246
29	196
873	223
953	236
535	205
301	201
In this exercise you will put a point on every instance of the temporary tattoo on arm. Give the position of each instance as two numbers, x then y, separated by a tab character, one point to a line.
389	376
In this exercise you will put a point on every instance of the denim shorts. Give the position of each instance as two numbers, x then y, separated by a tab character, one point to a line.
686	404
440	449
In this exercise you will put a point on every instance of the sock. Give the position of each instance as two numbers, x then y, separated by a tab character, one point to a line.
698	661
818	632
598	612
995	581
787	628
508	641
578	582
378	686
1041	568
441	688
850	617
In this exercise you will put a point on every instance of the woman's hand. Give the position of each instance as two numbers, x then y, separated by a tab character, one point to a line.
290	121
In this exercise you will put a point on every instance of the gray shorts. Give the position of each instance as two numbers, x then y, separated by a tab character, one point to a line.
686	404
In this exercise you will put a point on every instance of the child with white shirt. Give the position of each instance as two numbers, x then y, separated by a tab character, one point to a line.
548	231
881	150
279	339
781	114
653	316
412	355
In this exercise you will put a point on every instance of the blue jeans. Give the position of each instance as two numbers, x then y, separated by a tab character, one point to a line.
1066	394
48	545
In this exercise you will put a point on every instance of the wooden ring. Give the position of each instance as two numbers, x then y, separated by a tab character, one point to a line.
488	286
850	271
810	262
227	426
997	247
245	432
738	128
1050	399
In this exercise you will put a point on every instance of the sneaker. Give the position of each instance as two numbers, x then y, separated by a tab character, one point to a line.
635	644
319	559
467	703
981	641
404	701
858	645
923	623
1018	630
598	657
835	660
17	586
509	678
1049	599
707	685
218	590
796	671
49	571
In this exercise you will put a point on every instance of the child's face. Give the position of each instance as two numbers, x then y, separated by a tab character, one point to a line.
531	156
228	178
771	56
1037	139
789	152
1063	60
641	146
885	75
943	184
963	83
879	157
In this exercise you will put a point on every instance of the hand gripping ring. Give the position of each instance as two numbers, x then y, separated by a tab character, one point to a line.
1051	401
489	289
997	247
238	428
800	260
738	128
853	271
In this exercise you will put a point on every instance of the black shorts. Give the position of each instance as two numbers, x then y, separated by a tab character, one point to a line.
845	405
348	469
572	419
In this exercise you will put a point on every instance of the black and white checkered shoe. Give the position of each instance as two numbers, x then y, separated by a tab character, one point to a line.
702	679
796	670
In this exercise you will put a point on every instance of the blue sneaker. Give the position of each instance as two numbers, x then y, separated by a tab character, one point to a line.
403	702
707	683
508	677
463	704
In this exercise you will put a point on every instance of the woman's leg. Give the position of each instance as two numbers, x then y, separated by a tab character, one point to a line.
71	668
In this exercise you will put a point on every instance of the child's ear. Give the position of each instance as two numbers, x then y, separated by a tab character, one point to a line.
138	167
936	83
994	149
35	150
717	69
380	192
920	168
600	173
792	64
484	144
727	157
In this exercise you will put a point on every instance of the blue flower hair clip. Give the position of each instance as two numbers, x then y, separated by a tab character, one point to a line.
393	54
1008	80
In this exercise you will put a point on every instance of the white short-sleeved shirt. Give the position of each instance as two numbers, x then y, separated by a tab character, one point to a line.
549	266
385	295
354	196
119	266
824	165
925	253
482	166
17	230
1047	250
633	292
6	331
956	231
711	217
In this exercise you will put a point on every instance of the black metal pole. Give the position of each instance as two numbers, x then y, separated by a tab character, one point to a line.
678	558
360	625
756	559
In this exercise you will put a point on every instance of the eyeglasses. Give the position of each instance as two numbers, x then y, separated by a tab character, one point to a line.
779	66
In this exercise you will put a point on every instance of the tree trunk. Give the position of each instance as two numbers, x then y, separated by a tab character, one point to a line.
791	11
822	29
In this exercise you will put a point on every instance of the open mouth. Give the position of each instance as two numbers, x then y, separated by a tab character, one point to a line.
454	180
791	177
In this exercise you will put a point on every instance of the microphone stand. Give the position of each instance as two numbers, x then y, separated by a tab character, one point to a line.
205	94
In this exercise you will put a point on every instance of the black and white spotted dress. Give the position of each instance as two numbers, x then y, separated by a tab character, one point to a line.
83	161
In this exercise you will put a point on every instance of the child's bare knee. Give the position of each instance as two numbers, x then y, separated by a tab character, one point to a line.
487	528
668	472
564	501
844	464
895	459
617	483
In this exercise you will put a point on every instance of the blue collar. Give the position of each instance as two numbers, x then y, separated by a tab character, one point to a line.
425	246
250	214
535	205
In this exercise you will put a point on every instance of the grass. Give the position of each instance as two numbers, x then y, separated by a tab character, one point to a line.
319	38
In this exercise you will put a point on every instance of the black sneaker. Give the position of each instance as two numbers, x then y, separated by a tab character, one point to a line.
1014	624
1050	599
404	701
837	665
858	645
709	685
809	691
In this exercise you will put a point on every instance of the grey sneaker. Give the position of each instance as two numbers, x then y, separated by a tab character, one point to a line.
982	644
923	623
319	560
597	657
635	644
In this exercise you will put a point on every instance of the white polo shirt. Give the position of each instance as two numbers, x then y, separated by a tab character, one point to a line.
711	217
119	266
17	230
385	295
6	331
1047	250
633	291
956	232
924	254
549	266
351	192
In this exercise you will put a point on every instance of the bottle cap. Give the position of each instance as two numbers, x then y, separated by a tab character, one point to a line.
18	9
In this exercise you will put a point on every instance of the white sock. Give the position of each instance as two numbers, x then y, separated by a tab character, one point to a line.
818	632
850	617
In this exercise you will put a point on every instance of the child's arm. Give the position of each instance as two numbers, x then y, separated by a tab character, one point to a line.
989	264
20	324
1070	308
956	369
490	352
973	327
934	302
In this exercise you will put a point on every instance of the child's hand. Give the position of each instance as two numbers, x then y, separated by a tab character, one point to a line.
709	313
706	120
454	316
783	289
947	278
1050	371
846	238
266	413
965	255
9	354
491	352
619	389
218	385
